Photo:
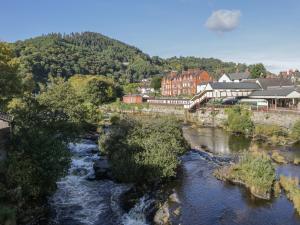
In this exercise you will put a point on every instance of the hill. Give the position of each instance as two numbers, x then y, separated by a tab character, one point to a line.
81	53
93	53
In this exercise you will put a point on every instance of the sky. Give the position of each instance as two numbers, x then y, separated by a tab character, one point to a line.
245	31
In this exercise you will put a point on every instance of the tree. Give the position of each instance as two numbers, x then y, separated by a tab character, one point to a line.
131	88
258	71
239	120
144	150
10	83
156	83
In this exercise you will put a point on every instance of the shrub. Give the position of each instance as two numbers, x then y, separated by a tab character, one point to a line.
239	120
144	150
255	171
291	187
295	133
273	133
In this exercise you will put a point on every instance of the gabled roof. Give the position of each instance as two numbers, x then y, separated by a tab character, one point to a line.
238	76
233	85
275	92
267	83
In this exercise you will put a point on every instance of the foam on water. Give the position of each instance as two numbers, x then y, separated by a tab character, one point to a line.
79	200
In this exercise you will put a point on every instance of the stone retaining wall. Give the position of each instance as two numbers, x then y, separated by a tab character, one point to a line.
217	117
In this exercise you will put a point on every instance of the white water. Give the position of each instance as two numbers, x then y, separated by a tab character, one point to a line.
82	201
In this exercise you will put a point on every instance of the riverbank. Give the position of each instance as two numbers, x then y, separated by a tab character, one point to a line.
215	117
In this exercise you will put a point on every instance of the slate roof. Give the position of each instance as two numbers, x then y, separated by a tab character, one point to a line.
238	76
276	92
266	83
233	85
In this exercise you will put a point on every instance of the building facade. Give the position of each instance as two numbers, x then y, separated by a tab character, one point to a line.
185	83
133	99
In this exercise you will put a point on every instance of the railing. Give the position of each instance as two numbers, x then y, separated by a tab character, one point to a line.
198	99
5	117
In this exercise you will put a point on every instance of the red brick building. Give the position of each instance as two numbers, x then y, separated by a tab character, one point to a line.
133	99
184	83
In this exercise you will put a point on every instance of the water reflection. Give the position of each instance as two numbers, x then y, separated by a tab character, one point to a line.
208	201
215	140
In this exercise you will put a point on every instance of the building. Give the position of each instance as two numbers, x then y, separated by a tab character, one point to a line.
185	83
267	83
285	97
133	99
234	77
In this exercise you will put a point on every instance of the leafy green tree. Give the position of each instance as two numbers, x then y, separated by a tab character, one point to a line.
38	156
10	83
156	83
144	151
131	88
239	120
258	71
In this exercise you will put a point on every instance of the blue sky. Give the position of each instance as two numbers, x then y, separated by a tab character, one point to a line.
247	31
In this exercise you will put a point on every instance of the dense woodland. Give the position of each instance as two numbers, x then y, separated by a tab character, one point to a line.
92	53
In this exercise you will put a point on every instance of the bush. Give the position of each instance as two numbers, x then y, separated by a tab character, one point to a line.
291	187
145	150
239	120
295	133
273	133
256	172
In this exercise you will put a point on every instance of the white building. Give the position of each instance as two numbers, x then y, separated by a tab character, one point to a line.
234	77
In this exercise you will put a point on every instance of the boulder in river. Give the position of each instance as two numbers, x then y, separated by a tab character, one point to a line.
162	216
102	169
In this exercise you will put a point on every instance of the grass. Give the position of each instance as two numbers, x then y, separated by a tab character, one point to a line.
277	157
272	133
254	171
291	187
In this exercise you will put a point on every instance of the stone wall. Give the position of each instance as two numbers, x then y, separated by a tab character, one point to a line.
217	117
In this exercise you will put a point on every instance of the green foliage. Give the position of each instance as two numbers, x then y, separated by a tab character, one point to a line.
256	171
37	162
94	89
291	187
79	105
295	133
131	88
92	53
258	71
214	66
144	151
82	53
156	83
38	156
10	83
239	120
272	133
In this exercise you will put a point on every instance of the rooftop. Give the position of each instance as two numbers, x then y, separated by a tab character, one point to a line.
267	83
275	92
233	85
238	76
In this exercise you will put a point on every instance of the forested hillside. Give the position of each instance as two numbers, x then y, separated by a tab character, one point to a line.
94	54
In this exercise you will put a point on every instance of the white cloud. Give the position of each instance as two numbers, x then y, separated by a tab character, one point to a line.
223	20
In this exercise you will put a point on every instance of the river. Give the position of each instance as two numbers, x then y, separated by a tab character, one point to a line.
80	199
